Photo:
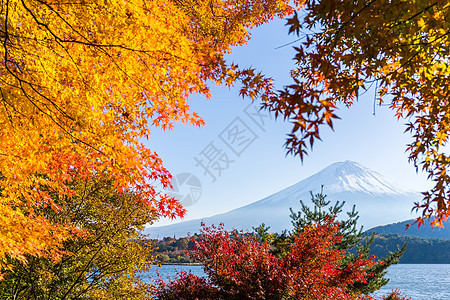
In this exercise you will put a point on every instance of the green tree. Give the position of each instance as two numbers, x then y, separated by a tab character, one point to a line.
352	241
104	264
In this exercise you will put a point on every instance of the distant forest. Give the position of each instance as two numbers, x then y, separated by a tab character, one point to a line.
173	250
418	250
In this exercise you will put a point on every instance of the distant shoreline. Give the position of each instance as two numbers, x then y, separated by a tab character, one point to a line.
405	263
183	264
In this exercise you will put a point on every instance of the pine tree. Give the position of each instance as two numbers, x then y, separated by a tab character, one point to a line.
353	239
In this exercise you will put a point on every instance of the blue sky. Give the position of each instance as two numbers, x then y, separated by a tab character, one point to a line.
252	161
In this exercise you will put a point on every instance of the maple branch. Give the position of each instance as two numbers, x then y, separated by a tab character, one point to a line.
21	81
32	86
82	273
290	43
415	15
88	265
56	122
4	102
87	43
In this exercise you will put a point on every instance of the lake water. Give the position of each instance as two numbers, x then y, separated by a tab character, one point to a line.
418	281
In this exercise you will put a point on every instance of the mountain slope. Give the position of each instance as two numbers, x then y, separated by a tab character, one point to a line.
377	200
424	231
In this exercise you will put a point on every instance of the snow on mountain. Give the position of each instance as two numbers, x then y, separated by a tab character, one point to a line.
350	176
378	201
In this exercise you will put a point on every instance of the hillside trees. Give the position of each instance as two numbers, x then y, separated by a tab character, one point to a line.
419	250
104	264
81	85
402	48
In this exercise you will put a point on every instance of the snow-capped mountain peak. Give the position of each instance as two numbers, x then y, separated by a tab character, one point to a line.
378	201
349	176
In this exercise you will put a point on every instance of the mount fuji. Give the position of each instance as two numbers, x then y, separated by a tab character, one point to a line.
378	202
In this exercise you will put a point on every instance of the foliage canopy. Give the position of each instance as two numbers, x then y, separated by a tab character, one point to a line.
81	85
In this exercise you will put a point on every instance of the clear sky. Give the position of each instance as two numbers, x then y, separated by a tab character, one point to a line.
245	151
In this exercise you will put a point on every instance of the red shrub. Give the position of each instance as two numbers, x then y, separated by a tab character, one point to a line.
238	266
186	286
